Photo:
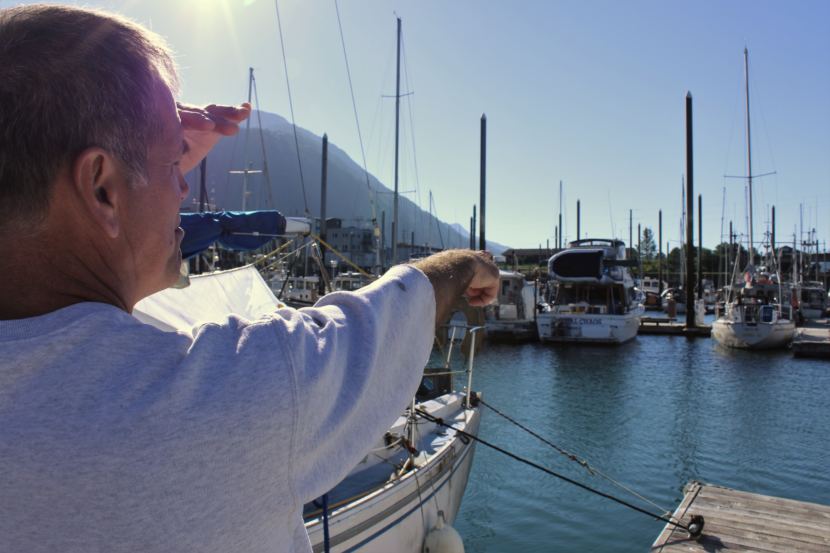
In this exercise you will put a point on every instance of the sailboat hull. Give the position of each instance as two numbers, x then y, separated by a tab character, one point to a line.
398	515
753	335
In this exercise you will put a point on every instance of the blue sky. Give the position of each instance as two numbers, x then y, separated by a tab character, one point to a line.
589	92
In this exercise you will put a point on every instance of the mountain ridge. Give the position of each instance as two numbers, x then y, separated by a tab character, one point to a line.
296	195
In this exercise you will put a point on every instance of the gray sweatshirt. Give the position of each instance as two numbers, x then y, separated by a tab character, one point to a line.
116	436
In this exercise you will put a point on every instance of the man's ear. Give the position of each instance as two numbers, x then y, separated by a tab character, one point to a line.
99	180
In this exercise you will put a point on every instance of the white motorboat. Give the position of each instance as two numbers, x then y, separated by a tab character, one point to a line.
413	480
594	298
512	317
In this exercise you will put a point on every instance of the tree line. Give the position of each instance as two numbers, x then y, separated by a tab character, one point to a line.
713	262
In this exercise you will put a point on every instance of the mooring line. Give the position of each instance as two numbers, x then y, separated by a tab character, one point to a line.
694	528
573	457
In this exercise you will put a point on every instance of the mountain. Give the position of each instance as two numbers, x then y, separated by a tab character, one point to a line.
348	193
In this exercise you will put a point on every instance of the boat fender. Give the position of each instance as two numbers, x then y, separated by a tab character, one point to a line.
696	526
443	538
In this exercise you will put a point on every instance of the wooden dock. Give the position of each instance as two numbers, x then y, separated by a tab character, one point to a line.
664	326
741	521
812	340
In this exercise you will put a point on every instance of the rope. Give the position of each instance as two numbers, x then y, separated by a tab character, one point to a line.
411	127
359	135
341	256
573	457
529	463
286	256
291	106
273	253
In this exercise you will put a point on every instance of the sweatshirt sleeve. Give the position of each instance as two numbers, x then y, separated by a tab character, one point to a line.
357	360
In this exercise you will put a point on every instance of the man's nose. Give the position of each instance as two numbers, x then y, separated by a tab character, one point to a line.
184	188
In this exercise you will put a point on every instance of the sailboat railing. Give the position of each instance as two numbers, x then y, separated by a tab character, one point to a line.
471	331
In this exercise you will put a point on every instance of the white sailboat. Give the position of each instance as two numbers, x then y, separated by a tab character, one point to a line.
754	317
595	298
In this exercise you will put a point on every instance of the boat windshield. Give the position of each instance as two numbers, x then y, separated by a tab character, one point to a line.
612	299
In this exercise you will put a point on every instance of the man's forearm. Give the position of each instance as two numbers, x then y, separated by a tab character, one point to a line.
456	272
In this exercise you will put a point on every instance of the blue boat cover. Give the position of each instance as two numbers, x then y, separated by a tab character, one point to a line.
234	230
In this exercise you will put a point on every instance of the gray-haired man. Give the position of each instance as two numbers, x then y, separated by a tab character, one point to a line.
115	436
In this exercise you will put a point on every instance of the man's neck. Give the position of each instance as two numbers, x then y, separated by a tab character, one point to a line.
40	276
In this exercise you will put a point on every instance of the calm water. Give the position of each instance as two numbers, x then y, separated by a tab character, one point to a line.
654	414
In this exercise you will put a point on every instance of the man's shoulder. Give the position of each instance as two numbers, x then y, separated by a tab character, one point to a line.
71	318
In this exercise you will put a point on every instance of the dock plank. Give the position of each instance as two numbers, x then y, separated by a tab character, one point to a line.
737	515
743	521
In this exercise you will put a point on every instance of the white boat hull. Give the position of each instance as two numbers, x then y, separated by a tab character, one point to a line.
735	334
583	327
398	515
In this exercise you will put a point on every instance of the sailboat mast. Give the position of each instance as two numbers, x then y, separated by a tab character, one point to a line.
748	153
247	134
397	142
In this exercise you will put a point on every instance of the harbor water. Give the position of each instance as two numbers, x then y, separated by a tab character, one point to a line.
653	414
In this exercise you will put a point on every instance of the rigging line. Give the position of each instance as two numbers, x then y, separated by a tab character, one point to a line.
411	123
438	222
359	135
291	107
274	252
573	457
280	260
415	475
333	250
440	421
262	143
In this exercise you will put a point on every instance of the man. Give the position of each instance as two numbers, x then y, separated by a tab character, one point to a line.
115	436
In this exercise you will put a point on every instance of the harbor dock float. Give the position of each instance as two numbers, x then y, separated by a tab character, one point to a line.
812	340
664	326
741	521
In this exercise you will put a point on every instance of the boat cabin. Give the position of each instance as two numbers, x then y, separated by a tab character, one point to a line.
576	297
